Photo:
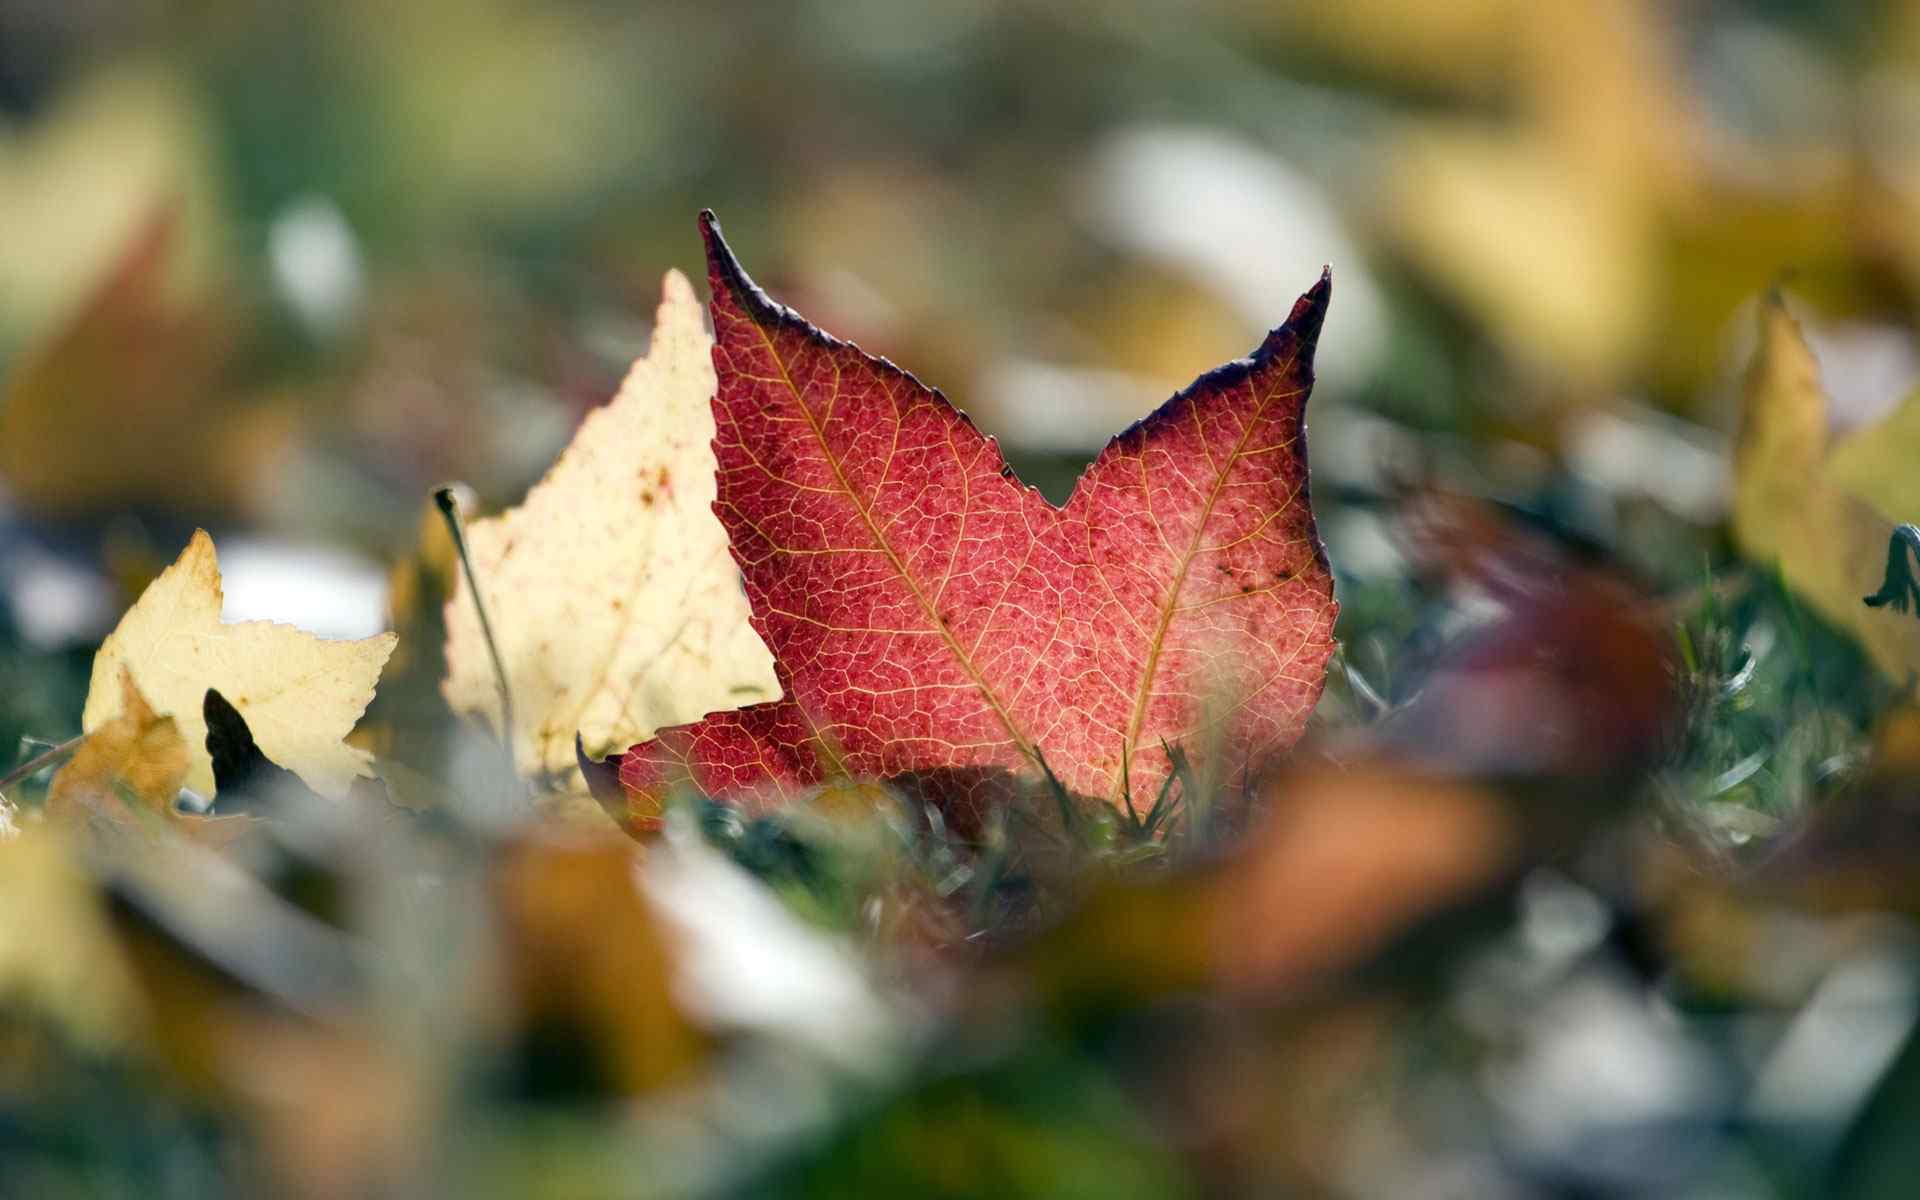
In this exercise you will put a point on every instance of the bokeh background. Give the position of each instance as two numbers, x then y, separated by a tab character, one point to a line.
279	269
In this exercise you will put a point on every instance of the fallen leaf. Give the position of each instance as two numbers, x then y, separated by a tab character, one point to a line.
299	694
1793	502
337	1110
127	774
932	616
1572	680
1466	47
128	767
1342	865
1349	860
61	962
1548	222
79	176
1556	266
122	402
613	602
1876	463
585	956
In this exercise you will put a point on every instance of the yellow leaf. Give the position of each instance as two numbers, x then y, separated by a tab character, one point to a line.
299	694
1881	464
1548	223
1465	45
1554	264
57	952
614	602
79	180
128	774
123	401
1791	509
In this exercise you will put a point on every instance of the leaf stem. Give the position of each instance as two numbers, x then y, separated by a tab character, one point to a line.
40	761
450	513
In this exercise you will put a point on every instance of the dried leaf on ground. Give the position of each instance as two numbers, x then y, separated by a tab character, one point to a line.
1547	221
1820	510
79	174
128	773
614	604
123	401
299	694
932	616
1343	863
62	962
130	766
585	954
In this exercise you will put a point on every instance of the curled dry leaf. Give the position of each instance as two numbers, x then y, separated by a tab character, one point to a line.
299	694
934	617
128	773
132	765
613	602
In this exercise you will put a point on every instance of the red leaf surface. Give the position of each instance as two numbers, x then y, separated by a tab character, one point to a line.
933	617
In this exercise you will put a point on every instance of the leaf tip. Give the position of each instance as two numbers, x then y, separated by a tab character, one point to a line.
675	293
724	271
1310	310
1294	340
603	780
200	556
382	646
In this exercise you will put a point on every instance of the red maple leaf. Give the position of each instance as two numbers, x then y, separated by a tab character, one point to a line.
933	617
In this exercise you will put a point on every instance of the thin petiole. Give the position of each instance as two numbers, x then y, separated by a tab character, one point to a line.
450	513
41	761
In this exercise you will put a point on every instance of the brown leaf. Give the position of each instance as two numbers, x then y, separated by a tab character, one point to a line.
121	405
128	773
585	958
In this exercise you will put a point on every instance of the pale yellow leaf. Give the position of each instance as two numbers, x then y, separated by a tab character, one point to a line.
614	601
1829	544
1558	267
300	694
1881	463
79	179
1549	222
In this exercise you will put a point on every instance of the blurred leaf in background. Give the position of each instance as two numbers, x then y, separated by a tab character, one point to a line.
1818	507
